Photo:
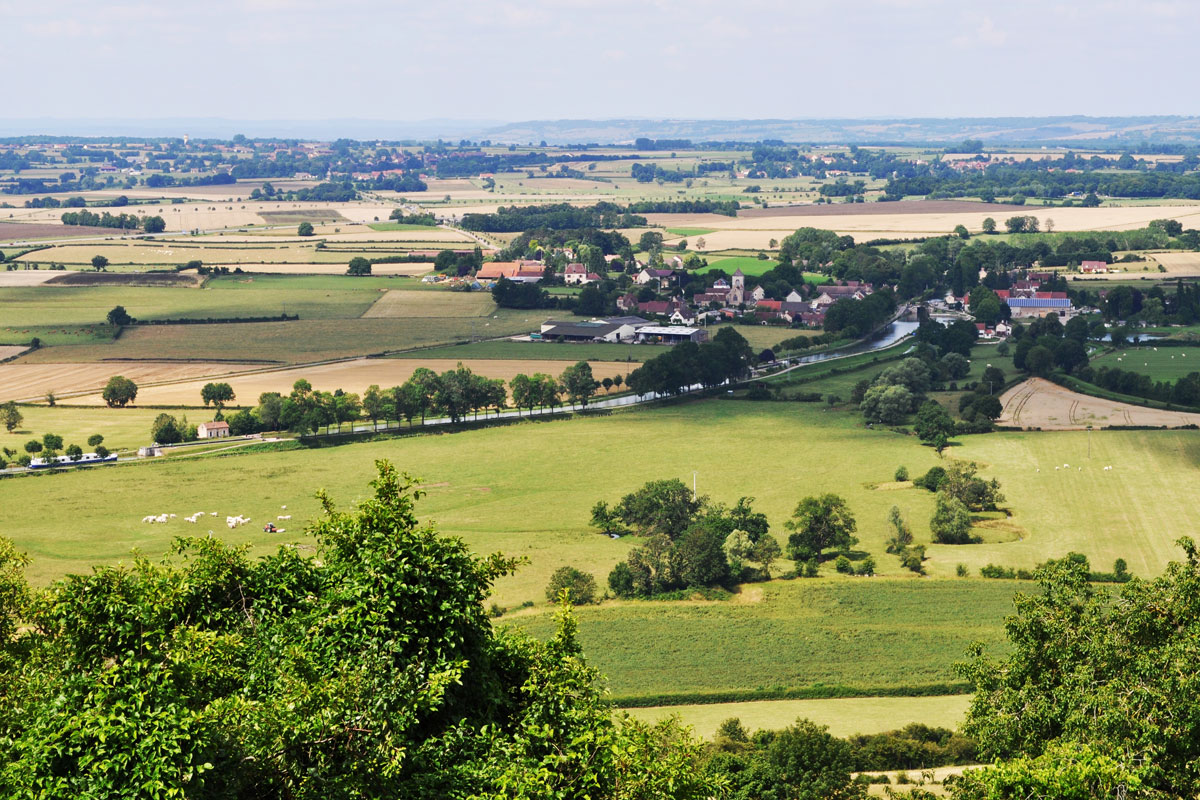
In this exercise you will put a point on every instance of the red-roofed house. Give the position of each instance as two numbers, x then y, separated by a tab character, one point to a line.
1093	267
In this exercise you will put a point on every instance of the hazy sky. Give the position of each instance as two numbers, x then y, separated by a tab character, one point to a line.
550	59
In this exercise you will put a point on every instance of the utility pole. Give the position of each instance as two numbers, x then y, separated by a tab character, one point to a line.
693	486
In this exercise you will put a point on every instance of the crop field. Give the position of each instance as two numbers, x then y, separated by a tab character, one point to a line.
1038	403
847	716
351	376
400	303
175	254
292	342
1165	364
301	215
22	380
10	350
28	231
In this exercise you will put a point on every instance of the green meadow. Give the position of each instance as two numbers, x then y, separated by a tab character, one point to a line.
1160	363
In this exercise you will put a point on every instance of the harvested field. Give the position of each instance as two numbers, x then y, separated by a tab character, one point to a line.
845	716
171	279
1038	403
410	270
401	303
23	231
351	376
301	215
1179	265
10	350
26	381
26	277
902	207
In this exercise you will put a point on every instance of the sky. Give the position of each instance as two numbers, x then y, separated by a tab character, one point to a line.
492	60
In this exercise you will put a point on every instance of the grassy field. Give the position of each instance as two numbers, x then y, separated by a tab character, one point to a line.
749	265
690	231
312	297
1161	364
870	633
128	428
844	716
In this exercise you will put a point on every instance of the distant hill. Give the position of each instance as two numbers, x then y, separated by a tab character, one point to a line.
1074	131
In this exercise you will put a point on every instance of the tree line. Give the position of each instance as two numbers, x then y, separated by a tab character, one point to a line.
560	216
455	393
154	224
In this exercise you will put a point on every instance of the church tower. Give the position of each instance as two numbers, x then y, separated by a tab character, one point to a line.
737	291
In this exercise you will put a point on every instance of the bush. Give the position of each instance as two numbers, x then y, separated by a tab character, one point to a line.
865	567
962	571
580	585
810	568
901	473
844	566
932	480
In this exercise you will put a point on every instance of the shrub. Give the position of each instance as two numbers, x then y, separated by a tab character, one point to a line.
913	558
580	585
901	473
962	571
844	566
932	480
866	567
810	568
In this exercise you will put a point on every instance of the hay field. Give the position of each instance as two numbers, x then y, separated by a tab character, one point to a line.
350	376
756	232
10	350
27	381
404	270
401	303
1179	265
846	716
1038	403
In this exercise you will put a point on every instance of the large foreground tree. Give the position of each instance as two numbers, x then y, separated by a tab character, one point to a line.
367	669
1097	698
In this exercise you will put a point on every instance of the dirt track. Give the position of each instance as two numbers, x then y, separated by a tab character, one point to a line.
1038	403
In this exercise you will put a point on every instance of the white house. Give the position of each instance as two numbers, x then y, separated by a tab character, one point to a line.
212	430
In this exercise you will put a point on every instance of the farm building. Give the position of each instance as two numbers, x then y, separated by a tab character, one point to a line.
1042	304
671	334
1093	267
614	329
212	430
524	272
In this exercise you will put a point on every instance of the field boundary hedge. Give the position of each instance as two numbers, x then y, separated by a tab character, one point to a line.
214	320
815	692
